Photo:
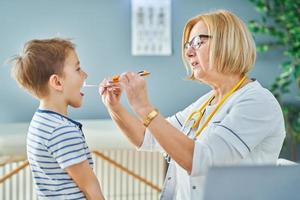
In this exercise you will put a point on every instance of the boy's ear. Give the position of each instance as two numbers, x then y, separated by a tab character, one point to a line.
56	82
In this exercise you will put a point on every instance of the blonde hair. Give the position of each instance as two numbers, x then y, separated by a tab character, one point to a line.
232	48
39	60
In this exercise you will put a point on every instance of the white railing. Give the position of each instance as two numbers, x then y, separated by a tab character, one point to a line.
124	174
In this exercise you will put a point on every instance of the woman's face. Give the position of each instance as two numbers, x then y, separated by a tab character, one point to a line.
197	51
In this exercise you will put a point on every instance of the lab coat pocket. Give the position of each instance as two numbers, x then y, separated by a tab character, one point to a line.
197	184
206	132
216	123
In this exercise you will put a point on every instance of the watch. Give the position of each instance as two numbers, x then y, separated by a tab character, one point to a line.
147	120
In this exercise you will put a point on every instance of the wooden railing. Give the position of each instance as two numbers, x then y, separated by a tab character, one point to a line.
14	171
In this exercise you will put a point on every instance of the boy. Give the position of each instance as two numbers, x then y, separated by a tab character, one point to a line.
59	158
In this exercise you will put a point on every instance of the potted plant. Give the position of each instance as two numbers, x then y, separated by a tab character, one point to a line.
280	22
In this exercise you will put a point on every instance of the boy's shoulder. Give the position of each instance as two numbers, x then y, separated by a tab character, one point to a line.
52	123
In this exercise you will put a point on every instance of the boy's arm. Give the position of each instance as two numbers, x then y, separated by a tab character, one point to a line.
86	180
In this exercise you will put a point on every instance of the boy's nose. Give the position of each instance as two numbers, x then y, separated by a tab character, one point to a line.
85	75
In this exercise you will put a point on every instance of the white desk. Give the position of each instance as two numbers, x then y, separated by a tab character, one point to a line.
100	134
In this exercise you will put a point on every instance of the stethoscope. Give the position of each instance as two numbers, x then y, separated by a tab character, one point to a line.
201	110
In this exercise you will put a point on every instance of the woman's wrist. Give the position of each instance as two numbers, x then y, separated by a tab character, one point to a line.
115	108
142	112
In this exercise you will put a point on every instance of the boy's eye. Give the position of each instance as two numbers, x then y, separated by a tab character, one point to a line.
78	69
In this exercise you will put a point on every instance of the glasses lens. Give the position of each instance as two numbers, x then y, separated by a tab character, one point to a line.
186	45
196	42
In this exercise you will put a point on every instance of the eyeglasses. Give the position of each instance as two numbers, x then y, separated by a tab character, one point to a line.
196	42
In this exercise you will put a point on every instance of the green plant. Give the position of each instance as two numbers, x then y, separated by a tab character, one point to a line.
280	22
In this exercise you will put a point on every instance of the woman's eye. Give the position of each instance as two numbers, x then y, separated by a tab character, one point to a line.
197	43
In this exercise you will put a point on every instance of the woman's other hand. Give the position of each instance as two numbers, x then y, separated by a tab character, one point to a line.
136	90
111	93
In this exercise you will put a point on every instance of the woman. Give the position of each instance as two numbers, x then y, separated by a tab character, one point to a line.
237	122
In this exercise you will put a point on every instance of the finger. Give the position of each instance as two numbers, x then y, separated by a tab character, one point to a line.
134	74
102	90
102	87
131	75
116	91
108	83
106	86
124	79
104	82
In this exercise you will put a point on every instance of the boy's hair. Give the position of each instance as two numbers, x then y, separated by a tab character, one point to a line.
39	60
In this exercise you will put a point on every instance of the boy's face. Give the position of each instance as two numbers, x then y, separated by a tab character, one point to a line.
73	80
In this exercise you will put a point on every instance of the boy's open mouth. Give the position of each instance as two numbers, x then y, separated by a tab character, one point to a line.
81	93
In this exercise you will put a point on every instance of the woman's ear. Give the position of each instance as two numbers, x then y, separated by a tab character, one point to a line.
56	82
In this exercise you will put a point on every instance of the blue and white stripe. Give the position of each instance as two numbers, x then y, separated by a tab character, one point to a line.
55	142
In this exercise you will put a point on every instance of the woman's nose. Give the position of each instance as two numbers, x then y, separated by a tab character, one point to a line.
190	52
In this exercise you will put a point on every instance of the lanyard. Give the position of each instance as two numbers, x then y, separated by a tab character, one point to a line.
203	106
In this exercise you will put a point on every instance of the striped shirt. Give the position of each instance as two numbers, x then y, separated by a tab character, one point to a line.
55	142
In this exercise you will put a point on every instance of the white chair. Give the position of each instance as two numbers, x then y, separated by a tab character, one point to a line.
283	162
260	182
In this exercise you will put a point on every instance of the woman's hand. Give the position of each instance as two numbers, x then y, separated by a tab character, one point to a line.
136	90
111	93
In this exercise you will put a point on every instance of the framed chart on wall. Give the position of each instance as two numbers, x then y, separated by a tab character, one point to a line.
151	27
